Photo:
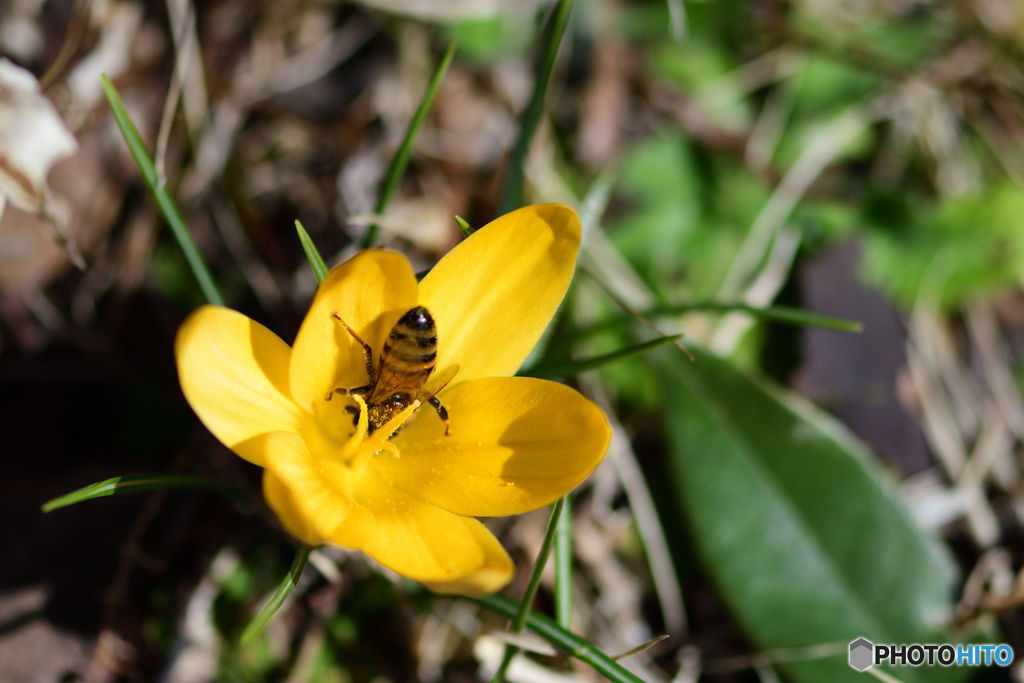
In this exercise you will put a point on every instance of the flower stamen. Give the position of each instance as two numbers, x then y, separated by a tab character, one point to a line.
391	427
362	446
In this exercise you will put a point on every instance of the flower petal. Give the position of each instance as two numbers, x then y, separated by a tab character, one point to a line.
516	444
447	552
369	292
319	501
234	373
313	499
492	296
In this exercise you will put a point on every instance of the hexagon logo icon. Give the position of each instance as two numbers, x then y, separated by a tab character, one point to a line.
861	654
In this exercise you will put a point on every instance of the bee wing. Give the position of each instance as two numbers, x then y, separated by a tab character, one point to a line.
389	383
437	382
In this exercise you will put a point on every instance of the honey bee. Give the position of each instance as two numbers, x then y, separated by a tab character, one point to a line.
400	378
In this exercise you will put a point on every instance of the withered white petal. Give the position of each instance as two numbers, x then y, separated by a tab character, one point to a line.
33	138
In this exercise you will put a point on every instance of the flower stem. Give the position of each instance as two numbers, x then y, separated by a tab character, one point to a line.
519	622
401	159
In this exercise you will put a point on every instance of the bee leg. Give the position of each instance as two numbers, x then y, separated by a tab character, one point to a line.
358	391
354	412
442	412
371	374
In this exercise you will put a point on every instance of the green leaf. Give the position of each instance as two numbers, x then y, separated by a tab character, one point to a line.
401	159
519	621
164	202
316	262
807	541
594	203
576	367
563	566
556	635
781	314
964	246
485	39
143	482
512	186
465	228
261	620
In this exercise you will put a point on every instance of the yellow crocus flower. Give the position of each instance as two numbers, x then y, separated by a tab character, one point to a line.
405	494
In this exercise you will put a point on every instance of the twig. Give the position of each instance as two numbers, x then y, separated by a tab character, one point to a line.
659	558
762	291
821	152
181	63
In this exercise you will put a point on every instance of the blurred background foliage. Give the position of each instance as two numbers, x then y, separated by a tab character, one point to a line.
786	490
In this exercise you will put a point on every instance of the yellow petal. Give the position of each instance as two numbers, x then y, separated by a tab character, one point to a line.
234	373
447	552
515	444
369	292
313	499
490	577
492	296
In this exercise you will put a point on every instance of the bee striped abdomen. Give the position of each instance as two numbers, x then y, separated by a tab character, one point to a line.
410	350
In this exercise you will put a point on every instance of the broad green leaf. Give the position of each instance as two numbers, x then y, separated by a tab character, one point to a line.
885	41
142	482
486	39
965	246
803	535
827	86
687	215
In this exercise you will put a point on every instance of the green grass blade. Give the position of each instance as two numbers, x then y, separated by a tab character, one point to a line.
398	164
562	638
464	227
164	202
563	567
261	620
523	612
595	202
512	187
316	262
143	482
782	314
576	367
